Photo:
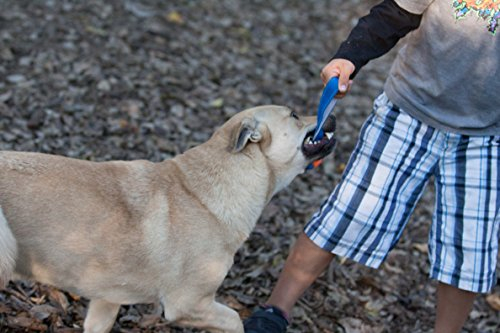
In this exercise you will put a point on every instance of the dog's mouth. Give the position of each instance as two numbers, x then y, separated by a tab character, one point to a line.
314	150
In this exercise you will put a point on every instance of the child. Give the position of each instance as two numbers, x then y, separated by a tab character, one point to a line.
439	115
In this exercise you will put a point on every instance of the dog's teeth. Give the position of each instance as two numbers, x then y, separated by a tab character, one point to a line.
329	135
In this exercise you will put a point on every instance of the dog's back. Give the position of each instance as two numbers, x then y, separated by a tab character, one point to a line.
54	209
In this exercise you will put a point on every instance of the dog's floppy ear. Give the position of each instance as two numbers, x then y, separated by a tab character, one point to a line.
247	131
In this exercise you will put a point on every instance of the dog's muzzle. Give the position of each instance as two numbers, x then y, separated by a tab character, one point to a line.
314	150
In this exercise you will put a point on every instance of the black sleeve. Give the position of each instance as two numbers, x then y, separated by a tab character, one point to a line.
377	33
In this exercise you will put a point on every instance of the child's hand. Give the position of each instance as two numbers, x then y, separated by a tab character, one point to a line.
342	68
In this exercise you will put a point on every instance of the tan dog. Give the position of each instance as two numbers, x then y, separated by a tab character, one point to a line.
137	232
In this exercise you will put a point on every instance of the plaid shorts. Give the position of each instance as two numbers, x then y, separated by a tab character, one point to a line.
386	175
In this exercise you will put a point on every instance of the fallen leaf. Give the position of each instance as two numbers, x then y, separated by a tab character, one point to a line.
393	269
149	320
233	303
4	309
175	17
421	247
24	321
58	298
96	31
217	103
38	300
42	312
493	301
355	325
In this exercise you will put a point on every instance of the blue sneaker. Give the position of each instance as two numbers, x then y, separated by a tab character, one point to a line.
268	319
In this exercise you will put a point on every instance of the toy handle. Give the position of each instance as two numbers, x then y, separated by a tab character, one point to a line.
325	104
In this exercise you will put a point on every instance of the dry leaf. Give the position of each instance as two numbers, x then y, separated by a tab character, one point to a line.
4	309
341	167
232	302
493	301
24	321
42	312
217	103
175	17
421	247
149	320
59	298
355	325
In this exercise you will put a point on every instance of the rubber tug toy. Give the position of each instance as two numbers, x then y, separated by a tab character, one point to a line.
326	106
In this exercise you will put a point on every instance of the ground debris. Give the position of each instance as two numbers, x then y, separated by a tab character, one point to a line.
101	80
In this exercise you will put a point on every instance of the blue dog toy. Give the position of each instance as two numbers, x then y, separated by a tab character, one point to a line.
326	105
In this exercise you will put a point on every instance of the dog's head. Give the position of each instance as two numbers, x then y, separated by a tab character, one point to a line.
283	137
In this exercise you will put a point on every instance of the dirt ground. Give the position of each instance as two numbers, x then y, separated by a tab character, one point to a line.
102	80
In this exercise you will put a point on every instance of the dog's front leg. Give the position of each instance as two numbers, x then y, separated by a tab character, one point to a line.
212	316
100	317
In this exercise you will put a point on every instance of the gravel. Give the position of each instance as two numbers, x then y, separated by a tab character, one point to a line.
102	80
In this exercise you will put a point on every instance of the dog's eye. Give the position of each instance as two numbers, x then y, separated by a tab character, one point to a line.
294	115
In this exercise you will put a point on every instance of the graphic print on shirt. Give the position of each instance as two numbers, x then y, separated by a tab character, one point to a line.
488	10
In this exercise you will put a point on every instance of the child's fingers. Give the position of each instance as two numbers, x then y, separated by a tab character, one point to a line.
344	81
329	71
342	69
343	94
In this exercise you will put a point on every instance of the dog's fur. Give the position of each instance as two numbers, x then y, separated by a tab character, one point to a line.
133	232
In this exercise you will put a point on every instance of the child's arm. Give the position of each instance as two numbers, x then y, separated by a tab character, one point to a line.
373	36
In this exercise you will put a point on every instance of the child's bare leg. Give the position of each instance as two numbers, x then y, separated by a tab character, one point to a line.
453	308
304	264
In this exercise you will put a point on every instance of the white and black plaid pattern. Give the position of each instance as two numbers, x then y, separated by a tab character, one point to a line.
394	158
